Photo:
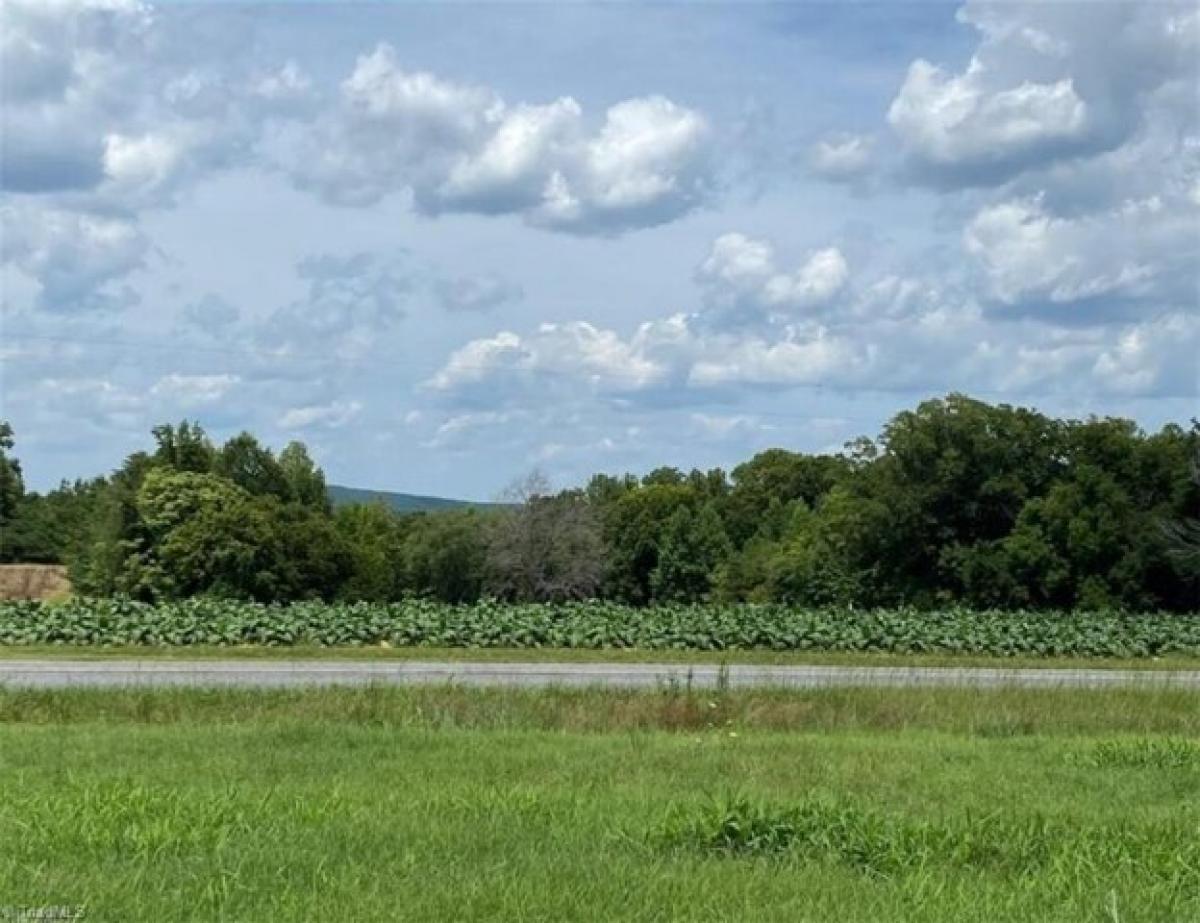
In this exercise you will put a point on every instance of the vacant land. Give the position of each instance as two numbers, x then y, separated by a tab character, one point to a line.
425	804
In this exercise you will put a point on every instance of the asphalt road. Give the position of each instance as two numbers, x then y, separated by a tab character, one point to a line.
58	674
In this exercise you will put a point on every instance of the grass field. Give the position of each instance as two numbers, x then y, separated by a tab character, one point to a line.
580	655
436	803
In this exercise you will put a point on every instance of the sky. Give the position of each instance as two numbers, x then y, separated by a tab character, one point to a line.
445	244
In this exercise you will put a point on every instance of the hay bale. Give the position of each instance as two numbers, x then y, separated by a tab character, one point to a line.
34	581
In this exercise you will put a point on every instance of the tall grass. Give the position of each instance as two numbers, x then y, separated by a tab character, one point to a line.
1002	713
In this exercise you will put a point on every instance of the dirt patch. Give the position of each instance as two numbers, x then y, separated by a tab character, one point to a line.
34	581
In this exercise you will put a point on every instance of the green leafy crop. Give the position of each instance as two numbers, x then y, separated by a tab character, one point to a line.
600	624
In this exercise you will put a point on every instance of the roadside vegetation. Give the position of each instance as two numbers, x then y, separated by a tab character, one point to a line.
447	803
957	503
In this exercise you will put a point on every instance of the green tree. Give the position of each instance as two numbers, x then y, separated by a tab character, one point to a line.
445	555
633	527
12	489
252	467
185	447
692	549
107	561
306	482
1083	544
374	540
54	528
776	478
827	557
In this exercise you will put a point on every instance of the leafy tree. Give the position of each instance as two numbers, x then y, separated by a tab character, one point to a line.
106	563
445	555
633	527
1084	544
1183	532
774	479
252	467
205	536
827	556
12	489
54	528
185	447
374	541
692	549
306	482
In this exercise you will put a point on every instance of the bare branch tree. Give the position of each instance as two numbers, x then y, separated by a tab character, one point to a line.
545	547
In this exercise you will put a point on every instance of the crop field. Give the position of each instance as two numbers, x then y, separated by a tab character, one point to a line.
438	803
601	625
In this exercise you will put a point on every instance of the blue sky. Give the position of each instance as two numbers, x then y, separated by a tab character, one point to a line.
447	243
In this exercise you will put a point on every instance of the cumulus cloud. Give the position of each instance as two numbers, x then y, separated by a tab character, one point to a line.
211	313
1139	252
576	351
1047	82
97	126
816	356
843	157
743	285
890	332
76	258
192	390
320	416
96	401
456	147
1158	357
64	71
289	87
956	124
462	430
351	299
481	292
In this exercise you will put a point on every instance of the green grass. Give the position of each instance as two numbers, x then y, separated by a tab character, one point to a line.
449	803
580	655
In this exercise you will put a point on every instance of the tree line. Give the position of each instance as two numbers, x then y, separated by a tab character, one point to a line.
955	502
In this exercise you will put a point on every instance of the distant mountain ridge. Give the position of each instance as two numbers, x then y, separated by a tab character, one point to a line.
401	503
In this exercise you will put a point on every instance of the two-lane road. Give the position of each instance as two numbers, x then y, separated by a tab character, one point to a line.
58	674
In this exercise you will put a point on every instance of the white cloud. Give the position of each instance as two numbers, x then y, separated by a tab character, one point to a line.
65	68
286	86
742	284
351	300
1161	356
74	257
320	416
1126	254
460	430
457	147
577	351
816	357
957	122
727	426
1047	83
143	162
843	157
193	390
481	292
